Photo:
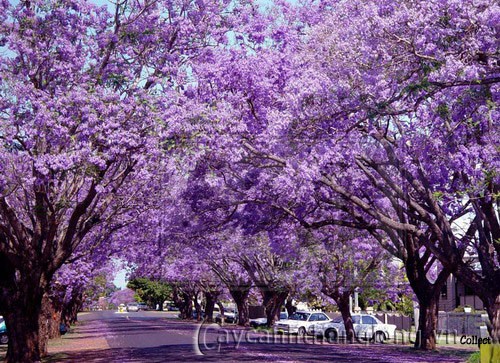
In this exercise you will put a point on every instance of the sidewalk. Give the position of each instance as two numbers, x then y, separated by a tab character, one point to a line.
87	335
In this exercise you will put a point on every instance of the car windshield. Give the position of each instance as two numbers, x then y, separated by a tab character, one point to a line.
299	316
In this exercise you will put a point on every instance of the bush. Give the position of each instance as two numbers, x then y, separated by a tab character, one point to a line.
474	358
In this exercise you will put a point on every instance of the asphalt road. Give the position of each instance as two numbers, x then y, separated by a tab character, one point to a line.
161	337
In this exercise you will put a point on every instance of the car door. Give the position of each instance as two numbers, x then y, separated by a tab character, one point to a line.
322	319
313	319
367	326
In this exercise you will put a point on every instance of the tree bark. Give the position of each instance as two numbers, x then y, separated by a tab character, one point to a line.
427	322
492	305
47	323
342	301
210	298
69	314
273	301
22	318
183	302
290	309
240	297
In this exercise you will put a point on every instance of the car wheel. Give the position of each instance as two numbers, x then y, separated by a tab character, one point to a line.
331	335
379	337
4	339
301	332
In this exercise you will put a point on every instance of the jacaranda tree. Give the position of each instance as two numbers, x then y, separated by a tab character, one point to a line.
84	100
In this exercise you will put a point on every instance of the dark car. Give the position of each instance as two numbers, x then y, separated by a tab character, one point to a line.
3	332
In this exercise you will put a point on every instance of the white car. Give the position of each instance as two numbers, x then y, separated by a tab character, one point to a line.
366	327
230	316
299	322
263	321
132	307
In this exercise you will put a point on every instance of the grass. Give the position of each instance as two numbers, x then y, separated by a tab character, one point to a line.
474	358
263	329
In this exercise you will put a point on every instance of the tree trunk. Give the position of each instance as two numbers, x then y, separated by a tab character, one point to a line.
427	293
342	301
23	329
492	305
290	309
197	307
209	307
240	297
427	322
50	319
211	298
186	306
273	301
45	324
69	314
183	302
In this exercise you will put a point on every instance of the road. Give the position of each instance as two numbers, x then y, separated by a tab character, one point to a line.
160	337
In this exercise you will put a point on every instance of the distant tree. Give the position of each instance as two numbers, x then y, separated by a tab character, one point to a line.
153	293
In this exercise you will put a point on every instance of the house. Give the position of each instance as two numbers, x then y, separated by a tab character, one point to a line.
454	294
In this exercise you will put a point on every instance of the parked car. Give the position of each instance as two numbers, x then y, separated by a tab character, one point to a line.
4	339
263	321
366	327
230	316
299	322
142	306
132	307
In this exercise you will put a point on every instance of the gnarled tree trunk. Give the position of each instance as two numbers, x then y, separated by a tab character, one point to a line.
210	300
240	297
22	314
343	304
428	299
342	300
273	301
427	321
492	305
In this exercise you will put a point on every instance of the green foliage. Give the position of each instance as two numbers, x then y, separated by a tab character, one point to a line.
474	358
380	301
405	306
151	292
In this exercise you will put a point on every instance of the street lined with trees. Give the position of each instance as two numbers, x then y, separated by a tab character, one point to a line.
264	153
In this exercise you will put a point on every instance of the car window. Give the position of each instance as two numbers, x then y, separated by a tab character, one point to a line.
338	319
356	319
314	317
323	317
368	320
299	316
